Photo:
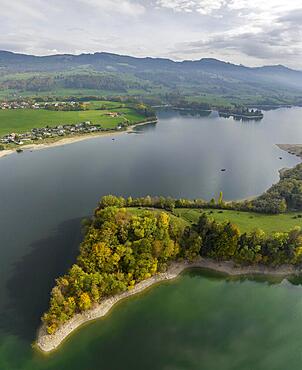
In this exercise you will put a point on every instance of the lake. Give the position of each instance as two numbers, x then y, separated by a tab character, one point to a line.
200	321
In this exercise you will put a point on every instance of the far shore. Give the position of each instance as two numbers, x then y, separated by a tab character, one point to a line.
71	139
47	343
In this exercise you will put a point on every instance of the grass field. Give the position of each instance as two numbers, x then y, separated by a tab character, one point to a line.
246	221
95	104
22	120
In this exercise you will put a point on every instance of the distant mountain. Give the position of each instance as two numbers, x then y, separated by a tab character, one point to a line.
209	76
104	61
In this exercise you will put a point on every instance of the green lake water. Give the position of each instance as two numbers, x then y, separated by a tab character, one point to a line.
199	321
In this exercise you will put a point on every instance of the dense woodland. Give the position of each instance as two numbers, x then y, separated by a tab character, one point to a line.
123	246
119	250
223	241
101	81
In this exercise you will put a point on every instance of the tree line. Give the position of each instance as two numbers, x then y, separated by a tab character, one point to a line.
223	241
284	196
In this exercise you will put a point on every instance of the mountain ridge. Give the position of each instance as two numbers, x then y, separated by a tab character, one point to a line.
146	76
107	55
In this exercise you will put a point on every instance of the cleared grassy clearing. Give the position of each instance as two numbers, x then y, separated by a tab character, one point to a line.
104	104
246	221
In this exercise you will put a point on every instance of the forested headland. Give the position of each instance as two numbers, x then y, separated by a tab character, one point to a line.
125	244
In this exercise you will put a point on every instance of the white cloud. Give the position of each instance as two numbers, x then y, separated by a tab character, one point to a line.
201	6
32	9
118	6
244	31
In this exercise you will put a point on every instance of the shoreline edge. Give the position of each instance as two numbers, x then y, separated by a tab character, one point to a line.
49	342
74	139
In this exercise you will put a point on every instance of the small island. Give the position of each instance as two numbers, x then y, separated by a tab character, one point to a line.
241	113
131	244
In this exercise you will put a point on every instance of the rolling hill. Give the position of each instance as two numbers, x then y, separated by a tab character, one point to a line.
204	79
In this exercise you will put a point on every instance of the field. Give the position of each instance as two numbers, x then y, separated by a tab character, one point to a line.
246	221
22	120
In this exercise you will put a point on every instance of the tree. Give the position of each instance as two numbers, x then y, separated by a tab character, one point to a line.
112	200
220	199
84	301
192	244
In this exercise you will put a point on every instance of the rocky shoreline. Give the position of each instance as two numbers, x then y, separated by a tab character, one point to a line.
48	343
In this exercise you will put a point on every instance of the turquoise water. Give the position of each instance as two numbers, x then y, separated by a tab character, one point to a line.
200	321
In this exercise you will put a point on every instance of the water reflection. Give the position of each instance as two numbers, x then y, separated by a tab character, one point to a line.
33	278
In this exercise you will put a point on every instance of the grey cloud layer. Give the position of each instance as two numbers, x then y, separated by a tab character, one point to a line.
243	31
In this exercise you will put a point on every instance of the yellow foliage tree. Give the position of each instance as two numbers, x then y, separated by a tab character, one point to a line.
84	302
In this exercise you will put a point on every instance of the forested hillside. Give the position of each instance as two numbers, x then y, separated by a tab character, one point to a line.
163	80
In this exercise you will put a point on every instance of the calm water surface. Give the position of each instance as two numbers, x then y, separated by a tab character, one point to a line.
198	322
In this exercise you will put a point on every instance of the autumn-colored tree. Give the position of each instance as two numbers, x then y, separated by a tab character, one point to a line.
84	302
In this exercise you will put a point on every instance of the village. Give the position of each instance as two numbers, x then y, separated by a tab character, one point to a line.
53	132
67	106
19	105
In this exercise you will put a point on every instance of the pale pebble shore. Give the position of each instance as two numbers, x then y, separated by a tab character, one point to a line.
48	343
73	139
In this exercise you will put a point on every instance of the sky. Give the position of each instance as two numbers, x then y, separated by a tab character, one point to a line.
250	32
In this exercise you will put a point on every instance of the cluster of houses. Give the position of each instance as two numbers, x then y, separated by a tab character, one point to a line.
113	114
19	105
48	105
51	132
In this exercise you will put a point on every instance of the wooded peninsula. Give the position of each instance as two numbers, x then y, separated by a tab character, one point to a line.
130	244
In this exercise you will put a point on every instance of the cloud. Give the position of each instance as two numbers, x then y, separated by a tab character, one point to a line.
253	32
118	6
200	6
277	43
32	9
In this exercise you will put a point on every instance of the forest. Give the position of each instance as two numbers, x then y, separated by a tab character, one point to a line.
124	245
99	81
119	250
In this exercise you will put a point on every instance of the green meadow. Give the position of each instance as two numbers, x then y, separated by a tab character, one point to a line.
22	120
246	221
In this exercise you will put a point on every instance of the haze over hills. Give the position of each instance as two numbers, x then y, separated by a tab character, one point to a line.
151	76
